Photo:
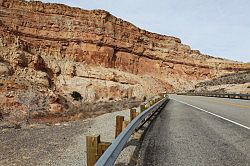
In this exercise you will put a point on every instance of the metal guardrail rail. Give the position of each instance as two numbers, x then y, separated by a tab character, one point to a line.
110	155
225	95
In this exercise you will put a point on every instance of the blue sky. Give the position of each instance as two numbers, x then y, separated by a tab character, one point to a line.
219	28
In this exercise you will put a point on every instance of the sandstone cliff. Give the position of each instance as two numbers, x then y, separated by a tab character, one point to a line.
56	49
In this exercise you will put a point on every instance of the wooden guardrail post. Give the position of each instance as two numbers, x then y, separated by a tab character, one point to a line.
119	123
132	114
95	148
92	149
102	146
151	103
142	107
162	95
124	124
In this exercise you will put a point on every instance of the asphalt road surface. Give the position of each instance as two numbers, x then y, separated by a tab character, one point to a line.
194	130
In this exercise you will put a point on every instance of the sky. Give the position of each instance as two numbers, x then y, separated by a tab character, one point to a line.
220	28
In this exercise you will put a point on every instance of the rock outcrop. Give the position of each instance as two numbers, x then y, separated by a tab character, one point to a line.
230	83
60	49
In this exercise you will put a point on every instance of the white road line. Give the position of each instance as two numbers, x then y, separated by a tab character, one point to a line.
213	114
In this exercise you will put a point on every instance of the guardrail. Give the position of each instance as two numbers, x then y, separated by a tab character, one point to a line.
108	153
225	95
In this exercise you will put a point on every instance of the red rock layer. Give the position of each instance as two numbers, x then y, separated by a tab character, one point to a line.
86	44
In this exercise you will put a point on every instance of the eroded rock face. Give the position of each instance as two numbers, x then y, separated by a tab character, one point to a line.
64	49
74	39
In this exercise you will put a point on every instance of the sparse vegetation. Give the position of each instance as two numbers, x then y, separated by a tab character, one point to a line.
76	96
33	102
235	78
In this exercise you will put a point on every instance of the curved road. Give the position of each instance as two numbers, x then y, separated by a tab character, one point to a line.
194	130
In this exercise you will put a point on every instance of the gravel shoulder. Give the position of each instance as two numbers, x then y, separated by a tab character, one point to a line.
60	144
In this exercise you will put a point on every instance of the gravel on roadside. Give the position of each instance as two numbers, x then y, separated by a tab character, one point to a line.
61	144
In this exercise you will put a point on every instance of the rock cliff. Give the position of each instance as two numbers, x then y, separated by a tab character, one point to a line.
56	49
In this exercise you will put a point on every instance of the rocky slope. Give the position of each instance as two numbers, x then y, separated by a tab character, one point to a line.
230	83
54	49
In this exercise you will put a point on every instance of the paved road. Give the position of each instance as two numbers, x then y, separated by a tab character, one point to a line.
186	135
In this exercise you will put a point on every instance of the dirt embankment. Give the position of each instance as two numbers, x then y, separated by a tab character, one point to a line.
230	83
60	144
17	119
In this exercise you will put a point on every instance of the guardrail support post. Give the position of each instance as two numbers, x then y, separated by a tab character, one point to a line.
132	114
124	124
102	146
119	122
92	149
95	148
142	107
151	103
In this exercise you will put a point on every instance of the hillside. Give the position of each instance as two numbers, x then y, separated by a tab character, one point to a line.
50	50
230	83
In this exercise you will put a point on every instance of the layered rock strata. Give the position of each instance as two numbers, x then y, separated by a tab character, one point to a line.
58	49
